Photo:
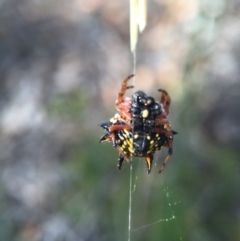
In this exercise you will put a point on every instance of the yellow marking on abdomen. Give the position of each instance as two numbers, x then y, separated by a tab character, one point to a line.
130	150
126	131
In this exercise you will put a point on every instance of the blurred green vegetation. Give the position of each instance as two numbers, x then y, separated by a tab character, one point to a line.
67	106
57	181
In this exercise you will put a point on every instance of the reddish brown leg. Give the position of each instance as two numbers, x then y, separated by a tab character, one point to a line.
123	89
162	120
165	100
149	160
106	137
119	127
169	145
167	132
113	128
109	137
164	163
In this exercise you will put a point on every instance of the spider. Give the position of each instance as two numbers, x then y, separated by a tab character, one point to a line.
140	127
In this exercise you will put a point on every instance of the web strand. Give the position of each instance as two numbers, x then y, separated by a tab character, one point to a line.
130	203
131	167
173	216
138	13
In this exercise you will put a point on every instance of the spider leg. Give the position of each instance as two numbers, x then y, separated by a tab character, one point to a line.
123	89
165	100
106	137
121	160
162	120
113	139
113	128
119	127
166	132
170	152
149	160
164	163
124	112
106	125
161	131
109	137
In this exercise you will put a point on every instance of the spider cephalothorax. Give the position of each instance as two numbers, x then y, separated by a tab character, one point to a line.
144	111
144	107
140	127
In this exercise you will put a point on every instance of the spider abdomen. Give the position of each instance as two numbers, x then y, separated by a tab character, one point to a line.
138	143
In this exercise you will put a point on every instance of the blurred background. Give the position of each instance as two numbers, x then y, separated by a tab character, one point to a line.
61	66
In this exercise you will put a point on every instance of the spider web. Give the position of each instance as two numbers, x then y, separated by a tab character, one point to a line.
133	186
171	204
